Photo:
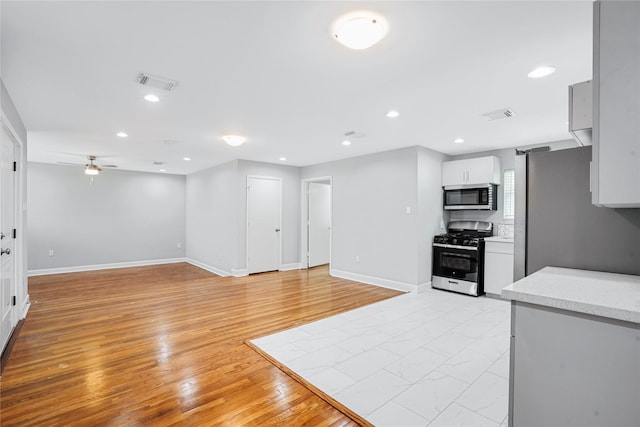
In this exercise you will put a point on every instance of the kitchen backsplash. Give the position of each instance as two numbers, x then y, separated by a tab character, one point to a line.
504	230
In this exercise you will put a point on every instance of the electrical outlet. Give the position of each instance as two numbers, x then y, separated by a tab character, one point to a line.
179	245
50	252
357	258
408	210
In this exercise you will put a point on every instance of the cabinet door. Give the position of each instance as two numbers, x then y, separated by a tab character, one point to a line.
454	172
615	177
482	170
498	272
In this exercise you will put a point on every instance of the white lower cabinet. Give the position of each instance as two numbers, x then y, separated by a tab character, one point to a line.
498	264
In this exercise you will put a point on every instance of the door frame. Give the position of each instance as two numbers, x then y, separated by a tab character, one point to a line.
304	220
20	291
272	178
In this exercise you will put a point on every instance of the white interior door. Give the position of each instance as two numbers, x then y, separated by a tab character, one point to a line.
7	243
264	201
319	223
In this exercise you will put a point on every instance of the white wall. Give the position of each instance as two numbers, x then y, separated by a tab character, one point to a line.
430	212
120	217
211	200
369	217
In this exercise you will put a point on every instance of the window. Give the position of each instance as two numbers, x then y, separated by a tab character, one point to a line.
509	180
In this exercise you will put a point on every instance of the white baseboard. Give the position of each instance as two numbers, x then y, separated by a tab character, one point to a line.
377	281
239	272
208	267
423	287
292	266
81	268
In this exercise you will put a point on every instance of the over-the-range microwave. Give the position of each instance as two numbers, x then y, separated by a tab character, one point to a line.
483	197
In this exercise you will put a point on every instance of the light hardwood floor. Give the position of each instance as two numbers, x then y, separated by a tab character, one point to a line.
165	345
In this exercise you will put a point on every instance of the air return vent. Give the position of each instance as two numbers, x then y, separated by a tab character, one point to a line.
503	113
156	82
354	134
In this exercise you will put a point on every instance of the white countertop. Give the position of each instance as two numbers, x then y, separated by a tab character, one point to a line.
500	239
616	296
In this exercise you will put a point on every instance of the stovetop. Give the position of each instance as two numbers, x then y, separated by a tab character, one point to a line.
465	233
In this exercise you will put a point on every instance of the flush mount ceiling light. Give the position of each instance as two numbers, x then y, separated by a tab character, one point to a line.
346	143
283	159
360	30
542	71
122	134
234	140
186	159
392	114
458	140
151	98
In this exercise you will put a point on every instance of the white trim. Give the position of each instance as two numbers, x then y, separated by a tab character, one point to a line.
207	267
377	281
292	266
239	272
304	219
20	284
81	268
26	305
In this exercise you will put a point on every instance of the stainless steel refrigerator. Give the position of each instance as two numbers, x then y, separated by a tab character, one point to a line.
556	224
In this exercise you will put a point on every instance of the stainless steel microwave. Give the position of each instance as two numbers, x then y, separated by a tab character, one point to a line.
478	198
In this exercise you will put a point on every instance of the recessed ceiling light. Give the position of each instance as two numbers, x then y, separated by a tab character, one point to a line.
282	159
393	114
163	170
186	158
360	30
122	134
346	142
151	98
234	140
543	71
458	140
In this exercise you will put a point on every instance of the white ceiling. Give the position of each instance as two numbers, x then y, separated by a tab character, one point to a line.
272	72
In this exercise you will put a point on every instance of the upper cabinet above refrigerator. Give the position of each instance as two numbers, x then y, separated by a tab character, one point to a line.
470	172
615	171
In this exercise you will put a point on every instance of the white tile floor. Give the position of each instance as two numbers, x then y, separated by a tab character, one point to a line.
431	359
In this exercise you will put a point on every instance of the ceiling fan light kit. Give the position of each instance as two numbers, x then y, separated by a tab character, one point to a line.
92	170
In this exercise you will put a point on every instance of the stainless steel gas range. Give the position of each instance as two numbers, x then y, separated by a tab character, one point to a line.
458	257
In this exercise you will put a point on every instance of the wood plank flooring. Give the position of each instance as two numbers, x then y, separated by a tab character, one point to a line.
164	345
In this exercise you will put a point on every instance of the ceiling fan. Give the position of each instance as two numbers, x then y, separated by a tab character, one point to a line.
90	168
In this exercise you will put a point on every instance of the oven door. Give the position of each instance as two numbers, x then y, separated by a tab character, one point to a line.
457	268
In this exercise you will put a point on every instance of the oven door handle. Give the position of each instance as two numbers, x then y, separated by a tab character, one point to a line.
466	248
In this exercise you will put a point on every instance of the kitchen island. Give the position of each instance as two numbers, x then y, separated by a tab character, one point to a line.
575	349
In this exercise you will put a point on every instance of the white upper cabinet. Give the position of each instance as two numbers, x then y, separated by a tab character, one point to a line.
615	171
481	170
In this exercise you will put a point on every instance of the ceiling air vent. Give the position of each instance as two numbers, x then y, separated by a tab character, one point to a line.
158	163
156	82
503	113
354	134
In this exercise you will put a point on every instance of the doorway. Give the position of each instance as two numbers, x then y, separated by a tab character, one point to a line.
316	233
264	223
8	317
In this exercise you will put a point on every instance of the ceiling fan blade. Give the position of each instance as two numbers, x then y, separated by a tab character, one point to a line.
108	166
70	164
